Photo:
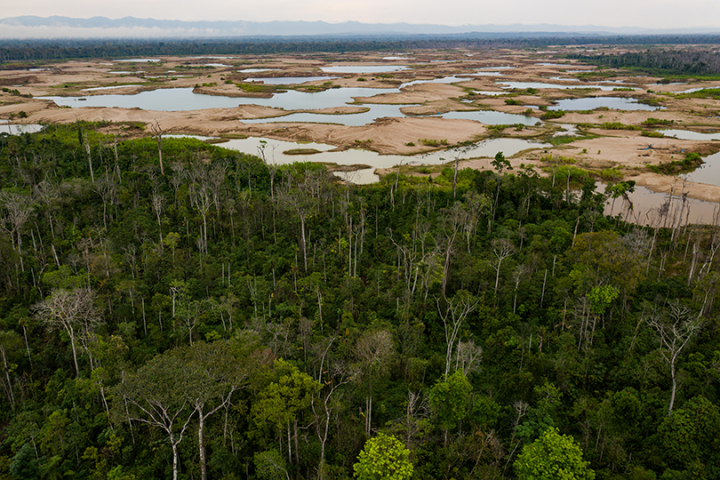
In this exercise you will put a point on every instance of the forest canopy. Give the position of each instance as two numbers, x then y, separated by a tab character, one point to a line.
224	318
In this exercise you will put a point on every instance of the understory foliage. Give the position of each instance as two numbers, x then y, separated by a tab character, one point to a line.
230	319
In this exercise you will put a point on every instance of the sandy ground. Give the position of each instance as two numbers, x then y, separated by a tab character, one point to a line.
625	150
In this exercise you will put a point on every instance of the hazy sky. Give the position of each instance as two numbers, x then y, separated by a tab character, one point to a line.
613	13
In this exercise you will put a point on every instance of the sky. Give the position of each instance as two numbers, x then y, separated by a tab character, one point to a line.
651	14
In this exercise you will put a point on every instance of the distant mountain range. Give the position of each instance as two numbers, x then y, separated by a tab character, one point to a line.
101	27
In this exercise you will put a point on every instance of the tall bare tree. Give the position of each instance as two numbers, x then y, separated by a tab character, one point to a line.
675	327
73	311
502	248
453	312
17	210
157	133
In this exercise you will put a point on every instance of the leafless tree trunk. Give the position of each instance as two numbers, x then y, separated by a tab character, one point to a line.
675	328
157	133
502	248
73	311
453	313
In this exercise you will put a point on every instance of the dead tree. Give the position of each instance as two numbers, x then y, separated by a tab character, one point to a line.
157	133
453	313
675	328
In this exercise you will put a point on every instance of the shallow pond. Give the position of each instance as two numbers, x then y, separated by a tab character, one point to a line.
256	70
647	203
365	69
182	99
691	90
138	60
690	135
492	117
590	103
489	93
287	80
108	88
708	172
563	65
16	129
540	85
488	117
452	79
354	119
570	130
274	153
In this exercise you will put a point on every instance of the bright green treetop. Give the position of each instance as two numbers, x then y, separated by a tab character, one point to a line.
553	457
383	458
449	399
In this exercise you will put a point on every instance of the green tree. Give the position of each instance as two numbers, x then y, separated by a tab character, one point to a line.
270	465
383	458
281	402
449	400
692	435
553	457
24	464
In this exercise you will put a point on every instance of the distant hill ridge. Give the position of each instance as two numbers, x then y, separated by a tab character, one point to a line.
102	27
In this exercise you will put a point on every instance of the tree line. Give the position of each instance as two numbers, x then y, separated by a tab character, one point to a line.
53	50
678	61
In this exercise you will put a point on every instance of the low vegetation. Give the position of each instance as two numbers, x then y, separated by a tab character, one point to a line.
687	164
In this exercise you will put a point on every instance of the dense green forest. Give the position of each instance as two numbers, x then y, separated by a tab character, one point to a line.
215	317
675	61
62	49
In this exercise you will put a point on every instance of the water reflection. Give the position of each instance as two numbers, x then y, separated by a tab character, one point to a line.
109	88
274	149
17	129
708	172
365	68
182	99
287	80
256	70
539	85
659	209
690	135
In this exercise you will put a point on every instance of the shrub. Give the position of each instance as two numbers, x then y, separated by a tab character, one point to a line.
551	114
618	126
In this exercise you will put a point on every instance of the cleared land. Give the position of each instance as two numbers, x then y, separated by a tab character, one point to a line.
602	139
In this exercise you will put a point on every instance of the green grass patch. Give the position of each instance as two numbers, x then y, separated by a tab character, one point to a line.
552	114
689	163
255	88
618	126
711	93
651	134
431	142
656	122
301	151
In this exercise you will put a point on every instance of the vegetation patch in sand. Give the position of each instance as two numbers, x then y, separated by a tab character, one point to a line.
688	164
301	151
